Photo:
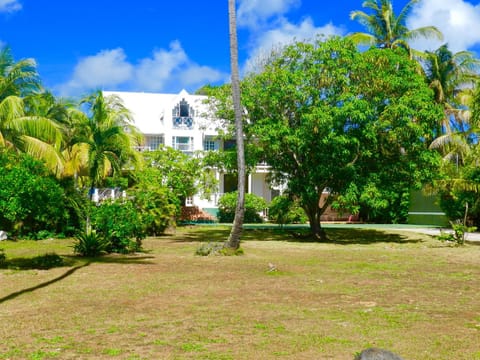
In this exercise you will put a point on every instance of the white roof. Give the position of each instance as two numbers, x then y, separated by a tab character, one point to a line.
152	112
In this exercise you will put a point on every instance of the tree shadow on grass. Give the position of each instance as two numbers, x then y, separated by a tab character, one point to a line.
361	237
49	261
201	234
340	236
44	284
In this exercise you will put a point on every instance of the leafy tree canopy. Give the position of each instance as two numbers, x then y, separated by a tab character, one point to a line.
327	117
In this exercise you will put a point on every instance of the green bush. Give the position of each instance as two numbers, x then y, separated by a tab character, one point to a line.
119	222
284	210
31	200
253	206
90	243
156	208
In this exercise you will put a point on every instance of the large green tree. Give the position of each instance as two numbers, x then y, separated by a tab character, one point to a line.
387	30
329	118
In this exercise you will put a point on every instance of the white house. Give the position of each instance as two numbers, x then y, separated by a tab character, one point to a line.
182	122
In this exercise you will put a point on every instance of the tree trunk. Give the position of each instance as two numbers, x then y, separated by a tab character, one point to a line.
233	241
314	213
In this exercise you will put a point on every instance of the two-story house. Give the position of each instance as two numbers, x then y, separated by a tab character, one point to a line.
182	122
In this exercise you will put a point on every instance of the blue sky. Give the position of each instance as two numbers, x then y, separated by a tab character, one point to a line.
167	46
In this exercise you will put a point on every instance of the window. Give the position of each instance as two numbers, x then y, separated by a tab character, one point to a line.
182	115
209	144
153	142
182	143
229	144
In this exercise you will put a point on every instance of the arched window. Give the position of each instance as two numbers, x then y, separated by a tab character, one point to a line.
182	115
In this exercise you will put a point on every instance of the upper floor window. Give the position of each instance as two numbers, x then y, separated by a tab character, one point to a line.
182	115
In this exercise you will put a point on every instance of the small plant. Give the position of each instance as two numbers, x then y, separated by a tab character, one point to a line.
90	243
217	249
209	249
459	232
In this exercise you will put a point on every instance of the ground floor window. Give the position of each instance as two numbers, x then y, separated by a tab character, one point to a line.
153	142
182	143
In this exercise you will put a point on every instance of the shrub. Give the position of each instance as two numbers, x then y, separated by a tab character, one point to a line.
31	200
156	208
121	224
90	243
253	206
209	249
3	257
284	210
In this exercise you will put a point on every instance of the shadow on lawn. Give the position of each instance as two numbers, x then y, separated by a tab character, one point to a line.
364	237
44	284
49	261
335	236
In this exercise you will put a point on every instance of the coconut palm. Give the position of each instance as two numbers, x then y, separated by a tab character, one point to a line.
106	137
452	76
385	29
21	128
233	241
17	78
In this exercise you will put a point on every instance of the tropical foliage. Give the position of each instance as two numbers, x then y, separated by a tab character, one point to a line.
387	30
365	126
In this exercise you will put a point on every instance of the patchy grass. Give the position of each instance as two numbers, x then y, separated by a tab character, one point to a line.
402	291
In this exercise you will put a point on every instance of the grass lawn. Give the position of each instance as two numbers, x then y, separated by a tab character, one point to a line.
403	291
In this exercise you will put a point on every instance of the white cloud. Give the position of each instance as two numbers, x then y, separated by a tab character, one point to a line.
270	28
284	33
251	13
172	69
9	6
153	73
108	68
167	70
458	20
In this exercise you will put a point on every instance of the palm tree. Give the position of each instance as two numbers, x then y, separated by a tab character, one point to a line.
233	241
37	136
452	77
21	128
17	78
385	29
107	137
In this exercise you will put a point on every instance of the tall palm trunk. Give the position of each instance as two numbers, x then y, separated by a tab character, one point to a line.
233	241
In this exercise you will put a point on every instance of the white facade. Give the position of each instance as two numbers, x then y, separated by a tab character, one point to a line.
181	121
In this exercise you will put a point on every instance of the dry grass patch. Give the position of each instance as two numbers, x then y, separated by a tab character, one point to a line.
401	291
